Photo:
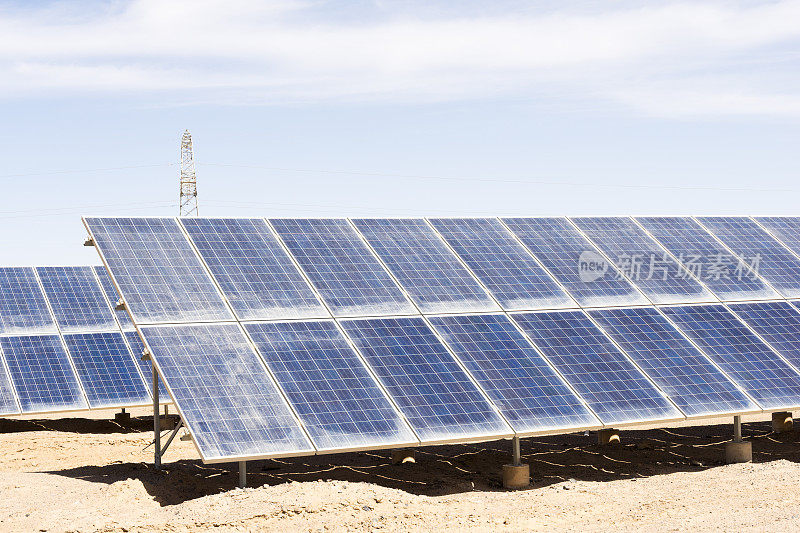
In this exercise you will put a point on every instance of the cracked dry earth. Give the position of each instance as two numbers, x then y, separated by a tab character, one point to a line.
95	475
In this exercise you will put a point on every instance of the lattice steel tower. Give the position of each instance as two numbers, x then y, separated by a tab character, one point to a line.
188	198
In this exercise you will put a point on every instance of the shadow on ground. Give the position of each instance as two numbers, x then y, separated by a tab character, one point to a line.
452	469
77	425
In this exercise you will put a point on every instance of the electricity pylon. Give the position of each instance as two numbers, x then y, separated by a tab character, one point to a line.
188	198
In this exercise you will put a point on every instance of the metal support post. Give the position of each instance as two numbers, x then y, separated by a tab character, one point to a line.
156	421
517	455
242	474
738	450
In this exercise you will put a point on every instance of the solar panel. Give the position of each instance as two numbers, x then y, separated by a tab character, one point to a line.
76	298
528	392
575	262
696	386
113	297
707	259
778	323
643	260
437	397
338	401
763	255
225	395
740	353
341	266
137	348
157	270
254	271
602	375
785	229
8	399
23	308
106	369
42	374
424	266
504	266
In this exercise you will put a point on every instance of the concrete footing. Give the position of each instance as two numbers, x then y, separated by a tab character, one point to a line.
738	452
123	417
782	422
606	437
404	455
516	476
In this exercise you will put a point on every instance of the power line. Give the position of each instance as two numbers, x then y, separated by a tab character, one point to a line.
502	180
82	171
536	181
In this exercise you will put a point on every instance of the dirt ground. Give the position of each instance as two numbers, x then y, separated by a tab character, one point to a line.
79	474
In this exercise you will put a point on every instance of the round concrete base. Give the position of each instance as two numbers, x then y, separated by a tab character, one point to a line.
782	422
608	437
406	455
516	476
738	452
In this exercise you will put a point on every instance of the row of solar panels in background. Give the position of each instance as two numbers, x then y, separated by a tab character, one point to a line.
61	347
360	383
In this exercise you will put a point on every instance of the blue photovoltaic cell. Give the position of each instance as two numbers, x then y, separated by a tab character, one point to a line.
504	266
785	229
224	393
254	271
778	323
643	260
341	266
23	308
575	262
614	388
8	400
695	385
157	270
433	392
76	298
42	374
107	370
337	399
113	297
424	266
137	349
706	258
528	392
740	353
760	252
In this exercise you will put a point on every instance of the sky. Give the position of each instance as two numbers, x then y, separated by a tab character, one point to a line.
392	108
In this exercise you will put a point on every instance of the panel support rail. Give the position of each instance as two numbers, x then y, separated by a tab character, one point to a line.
156	421
159	450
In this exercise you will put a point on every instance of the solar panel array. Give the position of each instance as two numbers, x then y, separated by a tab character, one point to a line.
300	336
61	346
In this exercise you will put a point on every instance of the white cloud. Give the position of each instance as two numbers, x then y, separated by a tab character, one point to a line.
666	58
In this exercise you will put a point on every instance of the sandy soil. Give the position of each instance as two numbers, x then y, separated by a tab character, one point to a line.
81	474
